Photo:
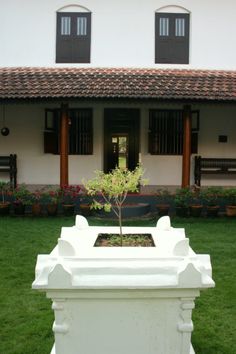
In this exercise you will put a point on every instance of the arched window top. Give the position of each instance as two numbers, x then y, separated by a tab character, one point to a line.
173	9
172	35
73	8
73	34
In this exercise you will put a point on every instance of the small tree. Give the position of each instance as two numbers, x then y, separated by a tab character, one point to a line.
114	187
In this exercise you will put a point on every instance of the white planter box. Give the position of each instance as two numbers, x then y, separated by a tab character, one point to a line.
122	300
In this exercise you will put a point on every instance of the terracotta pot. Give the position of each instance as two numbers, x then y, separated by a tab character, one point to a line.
5	208
181	211
68	209
85	209
51	209
195	210
212	211
230	210
163	209
36	209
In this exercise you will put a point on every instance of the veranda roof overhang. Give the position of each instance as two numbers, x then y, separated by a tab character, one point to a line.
42	84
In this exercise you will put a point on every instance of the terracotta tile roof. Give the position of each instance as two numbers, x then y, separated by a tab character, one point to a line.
43	83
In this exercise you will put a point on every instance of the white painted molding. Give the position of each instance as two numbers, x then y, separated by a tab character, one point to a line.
76	263
60	277
73	8
173	9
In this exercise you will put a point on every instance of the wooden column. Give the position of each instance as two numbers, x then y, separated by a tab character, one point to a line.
186	164
64	139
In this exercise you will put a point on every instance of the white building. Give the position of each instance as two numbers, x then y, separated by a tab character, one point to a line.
132	81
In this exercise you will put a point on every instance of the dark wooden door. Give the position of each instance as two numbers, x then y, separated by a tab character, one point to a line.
121	138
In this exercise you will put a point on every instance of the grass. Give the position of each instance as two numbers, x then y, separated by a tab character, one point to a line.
26	317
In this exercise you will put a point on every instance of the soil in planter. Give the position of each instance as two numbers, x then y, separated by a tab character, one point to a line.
129	240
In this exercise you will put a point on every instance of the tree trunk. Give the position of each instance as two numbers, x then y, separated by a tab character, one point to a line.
120	224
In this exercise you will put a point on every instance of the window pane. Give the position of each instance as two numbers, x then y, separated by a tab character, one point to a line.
164	26
81	26
180	27
65	26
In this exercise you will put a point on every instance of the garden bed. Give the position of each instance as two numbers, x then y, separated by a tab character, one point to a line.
128	240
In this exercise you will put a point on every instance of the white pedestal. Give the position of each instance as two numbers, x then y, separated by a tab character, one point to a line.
123	322
125	300
53	349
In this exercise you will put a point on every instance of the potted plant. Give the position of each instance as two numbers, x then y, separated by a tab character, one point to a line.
181	200
69	193
195	203
163	205
230	196
21	199
113	188
51	197
4	192
36	202
210	196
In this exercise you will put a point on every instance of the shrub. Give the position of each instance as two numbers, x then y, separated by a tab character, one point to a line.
211	195
182	197
69	193
230	195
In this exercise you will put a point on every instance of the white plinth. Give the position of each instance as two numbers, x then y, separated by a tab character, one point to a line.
122	300
53	350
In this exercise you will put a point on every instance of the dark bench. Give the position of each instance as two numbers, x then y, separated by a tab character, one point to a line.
210	165
8	165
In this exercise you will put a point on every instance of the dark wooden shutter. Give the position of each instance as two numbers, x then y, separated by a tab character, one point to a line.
50	143
194	143
80	131
172	46
195	129
51	131
73	46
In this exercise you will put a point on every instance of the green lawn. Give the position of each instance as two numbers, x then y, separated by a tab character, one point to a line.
26	317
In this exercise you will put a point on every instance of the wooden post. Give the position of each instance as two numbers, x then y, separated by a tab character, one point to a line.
186	163
64	139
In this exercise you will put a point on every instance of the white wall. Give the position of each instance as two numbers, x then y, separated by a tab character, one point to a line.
26	123
216	120
122	32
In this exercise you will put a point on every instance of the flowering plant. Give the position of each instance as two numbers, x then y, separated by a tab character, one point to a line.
69	193
50	196
36	196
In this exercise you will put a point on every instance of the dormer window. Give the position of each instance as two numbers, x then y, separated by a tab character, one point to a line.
172	38
73	37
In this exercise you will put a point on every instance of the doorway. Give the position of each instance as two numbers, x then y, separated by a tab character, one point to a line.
121	138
